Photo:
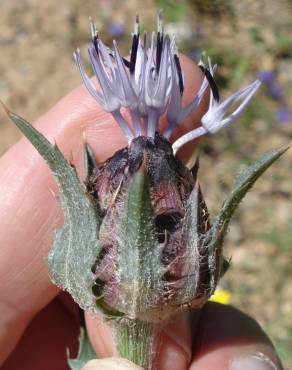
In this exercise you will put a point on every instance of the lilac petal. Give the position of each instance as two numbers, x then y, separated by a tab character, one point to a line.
123	125
193	105
115	77
87	81
242	93
150	73
214	119
139	67
142	93
152	122
234	116
194	134
161	88
137	122
100	73
111	100
130	98
107	58
174	106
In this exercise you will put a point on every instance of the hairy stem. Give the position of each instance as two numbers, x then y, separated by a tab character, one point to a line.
135	341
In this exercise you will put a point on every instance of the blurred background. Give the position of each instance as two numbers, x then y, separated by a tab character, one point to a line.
248	39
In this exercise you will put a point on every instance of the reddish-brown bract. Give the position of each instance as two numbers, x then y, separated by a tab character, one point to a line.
170	186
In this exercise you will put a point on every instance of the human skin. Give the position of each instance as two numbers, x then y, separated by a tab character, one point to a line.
37	323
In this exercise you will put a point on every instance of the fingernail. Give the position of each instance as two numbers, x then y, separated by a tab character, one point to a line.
258	361
113	363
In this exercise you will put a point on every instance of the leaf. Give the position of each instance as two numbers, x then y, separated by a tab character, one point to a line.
140	271
85	352
75	246
241	186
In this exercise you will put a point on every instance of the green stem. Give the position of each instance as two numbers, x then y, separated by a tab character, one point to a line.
135	341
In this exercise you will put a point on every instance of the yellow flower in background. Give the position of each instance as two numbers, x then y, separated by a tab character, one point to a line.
222	296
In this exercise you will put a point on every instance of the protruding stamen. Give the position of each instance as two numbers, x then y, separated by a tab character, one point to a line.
160	22
135	44
210	78
159	42
126	62
179	73
137	25
94	34
145	40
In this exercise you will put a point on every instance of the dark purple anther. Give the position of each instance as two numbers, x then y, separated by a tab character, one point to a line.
212	83
179	73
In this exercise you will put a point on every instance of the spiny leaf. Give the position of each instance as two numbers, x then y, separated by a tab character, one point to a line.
241	186
85	352
75	245
139	253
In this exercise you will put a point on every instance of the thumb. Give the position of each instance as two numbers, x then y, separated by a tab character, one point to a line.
113	363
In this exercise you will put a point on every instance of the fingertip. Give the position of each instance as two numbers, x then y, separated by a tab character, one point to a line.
76	116
114	363
100	335
226	338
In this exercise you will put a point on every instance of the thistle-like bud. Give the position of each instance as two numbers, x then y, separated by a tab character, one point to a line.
153	258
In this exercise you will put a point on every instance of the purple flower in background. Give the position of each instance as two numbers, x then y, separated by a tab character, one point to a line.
266	77
115	29
199	32
269	79
195	53
283	115
276	91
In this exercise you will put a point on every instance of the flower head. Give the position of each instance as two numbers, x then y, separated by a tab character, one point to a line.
151	84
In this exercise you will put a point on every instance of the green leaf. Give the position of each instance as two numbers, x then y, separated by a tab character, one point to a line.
75	245
85	352
140	271
241	186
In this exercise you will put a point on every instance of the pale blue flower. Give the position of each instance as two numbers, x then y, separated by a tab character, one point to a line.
151	84
217	116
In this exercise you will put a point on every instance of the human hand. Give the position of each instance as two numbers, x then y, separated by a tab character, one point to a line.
218	337
37	324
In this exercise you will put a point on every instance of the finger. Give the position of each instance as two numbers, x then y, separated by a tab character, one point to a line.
47	341
114	363
29	212
173	349
227	339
